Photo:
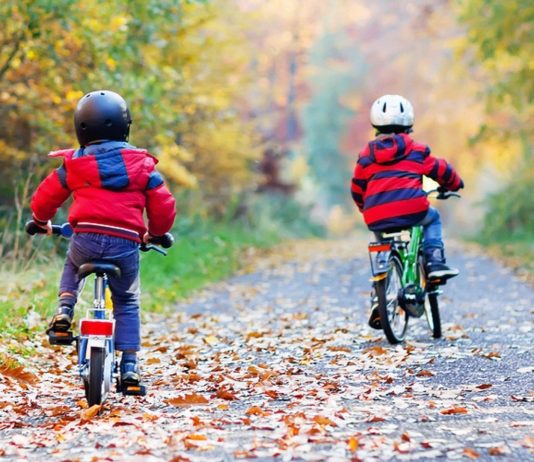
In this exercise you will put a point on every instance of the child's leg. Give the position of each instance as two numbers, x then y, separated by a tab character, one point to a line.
67	296
433	238
125	295
433	247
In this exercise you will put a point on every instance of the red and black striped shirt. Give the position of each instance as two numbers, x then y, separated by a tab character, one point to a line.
387	185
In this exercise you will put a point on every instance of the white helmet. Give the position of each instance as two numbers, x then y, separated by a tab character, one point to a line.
392	113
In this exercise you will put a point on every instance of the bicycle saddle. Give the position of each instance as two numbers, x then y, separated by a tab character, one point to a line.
100	268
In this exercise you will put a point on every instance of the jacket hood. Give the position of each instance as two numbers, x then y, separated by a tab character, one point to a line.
101	148
390	148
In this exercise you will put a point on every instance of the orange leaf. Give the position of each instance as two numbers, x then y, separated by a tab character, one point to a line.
226	394
153	361
187	400
496	451
88	414
471	453
271	394
254	335
375	350
454	410
375	418
196	437
339	348
19	374
255	410
484	386
425	373
321	420
352	443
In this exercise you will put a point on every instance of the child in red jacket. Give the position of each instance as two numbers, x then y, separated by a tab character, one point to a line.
112	184
387	185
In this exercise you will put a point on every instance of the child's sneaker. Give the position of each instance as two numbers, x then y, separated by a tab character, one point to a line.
129	371
62	320
435	266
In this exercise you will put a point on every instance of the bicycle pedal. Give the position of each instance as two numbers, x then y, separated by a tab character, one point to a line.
134	390
60	338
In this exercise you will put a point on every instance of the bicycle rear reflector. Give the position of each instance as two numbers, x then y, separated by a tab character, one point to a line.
96	327
379	246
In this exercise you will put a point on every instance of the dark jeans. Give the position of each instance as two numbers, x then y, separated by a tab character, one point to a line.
124	290
432	230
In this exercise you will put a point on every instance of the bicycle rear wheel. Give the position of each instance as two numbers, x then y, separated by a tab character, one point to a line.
393	318
95	384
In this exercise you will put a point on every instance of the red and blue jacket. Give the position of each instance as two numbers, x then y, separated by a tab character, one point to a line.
387	185
112	183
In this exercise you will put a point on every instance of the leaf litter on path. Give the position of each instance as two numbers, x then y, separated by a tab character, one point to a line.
278	363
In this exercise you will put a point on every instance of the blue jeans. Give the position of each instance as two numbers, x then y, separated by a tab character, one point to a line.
125	290
432	230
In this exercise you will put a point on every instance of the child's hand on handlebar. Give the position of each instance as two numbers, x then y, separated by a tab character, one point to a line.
47	228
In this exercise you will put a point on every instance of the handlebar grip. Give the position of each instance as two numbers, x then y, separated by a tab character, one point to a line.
64	230
165	241
32	228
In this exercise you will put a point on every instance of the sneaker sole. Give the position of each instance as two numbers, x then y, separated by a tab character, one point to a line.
443	274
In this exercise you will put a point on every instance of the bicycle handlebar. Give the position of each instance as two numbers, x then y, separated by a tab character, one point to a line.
157	243
64	230
443	193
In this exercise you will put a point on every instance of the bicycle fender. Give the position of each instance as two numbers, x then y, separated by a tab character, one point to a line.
379	253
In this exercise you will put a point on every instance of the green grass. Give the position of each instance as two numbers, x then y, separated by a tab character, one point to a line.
203	252
516	252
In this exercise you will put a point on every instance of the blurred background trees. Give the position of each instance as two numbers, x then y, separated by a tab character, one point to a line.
226	92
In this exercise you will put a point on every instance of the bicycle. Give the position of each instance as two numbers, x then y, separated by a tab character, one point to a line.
95	345
401	288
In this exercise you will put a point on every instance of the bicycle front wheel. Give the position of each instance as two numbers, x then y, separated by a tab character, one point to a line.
393	318
95	384
432	315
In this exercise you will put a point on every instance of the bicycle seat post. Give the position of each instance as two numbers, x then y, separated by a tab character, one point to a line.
100	302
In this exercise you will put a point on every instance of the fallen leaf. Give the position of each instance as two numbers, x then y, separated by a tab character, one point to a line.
471	453
226	394
187	400
484	386
210	340
352	444
255	410
454	410
88	414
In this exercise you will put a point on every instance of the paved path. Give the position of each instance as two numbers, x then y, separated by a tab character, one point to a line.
278	364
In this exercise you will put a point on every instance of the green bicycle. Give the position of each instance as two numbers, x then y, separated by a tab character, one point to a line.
401	288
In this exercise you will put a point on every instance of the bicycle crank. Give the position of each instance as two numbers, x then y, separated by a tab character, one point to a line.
412	300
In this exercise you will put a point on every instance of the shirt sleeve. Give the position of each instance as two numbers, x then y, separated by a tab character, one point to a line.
49	196
160	205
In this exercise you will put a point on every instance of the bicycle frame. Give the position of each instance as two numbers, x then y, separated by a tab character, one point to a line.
407	250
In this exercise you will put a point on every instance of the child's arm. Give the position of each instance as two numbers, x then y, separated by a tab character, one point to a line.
442	172
160	206
49	196
358	186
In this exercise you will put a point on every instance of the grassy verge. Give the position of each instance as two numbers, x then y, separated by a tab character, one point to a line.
204	251
517	254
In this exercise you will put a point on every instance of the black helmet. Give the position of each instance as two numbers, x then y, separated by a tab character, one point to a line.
102	115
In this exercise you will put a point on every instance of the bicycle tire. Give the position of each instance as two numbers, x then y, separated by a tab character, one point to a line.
432	300
95	384
393	318
433	318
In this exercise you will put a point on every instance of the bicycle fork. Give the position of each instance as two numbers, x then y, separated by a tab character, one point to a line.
96	334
